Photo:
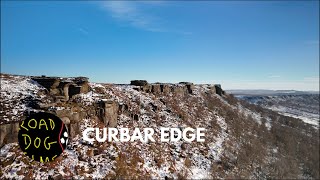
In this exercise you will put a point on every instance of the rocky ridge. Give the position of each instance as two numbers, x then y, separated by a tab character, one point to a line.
239	137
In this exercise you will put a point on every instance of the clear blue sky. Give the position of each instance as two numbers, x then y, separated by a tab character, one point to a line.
240	44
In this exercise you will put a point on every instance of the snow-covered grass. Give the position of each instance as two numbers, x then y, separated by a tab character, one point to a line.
15	90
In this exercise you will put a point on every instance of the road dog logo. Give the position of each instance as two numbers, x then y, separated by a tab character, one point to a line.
42	136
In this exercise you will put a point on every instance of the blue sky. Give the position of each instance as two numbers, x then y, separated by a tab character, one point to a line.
239	44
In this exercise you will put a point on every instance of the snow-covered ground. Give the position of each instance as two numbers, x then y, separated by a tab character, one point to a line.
16	91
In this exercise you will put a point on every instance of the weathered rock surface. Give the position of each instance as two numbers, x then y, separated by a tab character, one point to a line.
9	133
139	82
108	112
189	86
181	89
219	89
71	118
156	89
63	88
123	108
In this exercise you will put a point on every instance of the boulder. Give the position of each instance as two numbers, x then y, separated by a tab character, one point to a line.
75	117
65	120
212	89
74	89
123	109
111	113
85	88
71	119
189	86
66	91
46	82
218	89
108	112
156	89
54	88
179	90
66	87
139	82
165	88
64	113
9	133
146	88
74	129
154	107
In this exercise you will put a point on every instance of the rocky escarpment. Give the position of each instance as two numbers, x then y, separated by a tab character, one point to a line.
180	89
63	97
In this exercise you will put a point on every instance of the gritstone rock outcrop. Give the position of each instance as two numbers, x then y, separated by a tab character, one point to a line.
65	92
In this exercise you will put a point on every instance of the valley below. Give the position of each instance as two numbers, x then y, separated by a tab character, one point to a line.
297	104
